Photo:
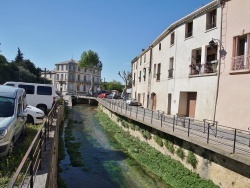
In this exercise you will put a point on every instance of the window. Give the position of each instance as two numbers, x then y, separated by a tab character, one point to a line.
84	78
211	19
172	39
159	46
140	60
61	77
50	75
154	75
66	67
44	90
85	70
158	72
84	87
134	79
189	29
136	64
79	69
57	67
144	58
61	67
240	60
144	74
29	89
57	76
171	66
78	77
140	77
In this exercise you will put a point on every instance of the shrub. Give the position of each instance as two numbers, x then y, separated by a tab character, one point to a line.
158	140
169	146
180	153
191	159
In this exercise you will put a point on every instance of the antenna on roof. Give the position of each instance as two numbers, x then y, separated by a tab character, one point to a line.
72	58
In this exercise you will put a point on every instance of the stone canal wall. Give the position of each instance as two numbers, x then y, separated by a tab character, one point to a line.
222	170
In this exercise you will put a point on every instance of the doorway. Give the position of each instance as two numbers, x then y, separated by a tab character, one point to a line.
191	104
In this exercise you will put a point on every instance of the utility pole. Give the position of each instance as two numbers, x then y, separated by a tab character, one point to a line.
45	74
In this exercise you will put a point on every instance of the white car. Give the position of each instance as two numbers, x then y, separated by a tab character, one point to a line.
35	115
133	102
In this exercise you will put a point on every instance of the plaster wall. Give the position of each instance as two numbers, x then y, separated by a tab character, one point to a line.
233	105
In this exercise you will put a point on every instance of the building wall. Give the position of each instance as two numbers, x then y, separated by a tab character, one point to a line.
182	82
233	99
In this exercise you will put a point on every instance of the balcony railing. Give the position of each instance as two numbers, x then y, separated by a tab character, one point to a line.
207	68
240	63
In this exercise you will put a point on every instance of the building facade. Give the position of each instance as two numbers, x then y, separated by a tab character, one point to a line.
178	72
233	105
68	76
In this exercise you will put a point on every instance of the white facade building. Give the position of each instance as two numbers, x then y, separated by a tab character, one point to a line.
177	74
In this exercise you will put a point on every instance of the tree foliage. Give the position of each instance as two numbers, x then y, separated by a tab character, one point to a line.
91	61
20	70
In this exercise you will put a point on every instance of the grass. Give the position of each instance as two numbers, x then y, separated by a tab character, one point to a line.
9	164
171	171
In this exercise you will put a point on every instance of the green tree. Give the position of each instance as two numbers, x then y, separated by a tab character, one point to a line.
19	56
114	85
127	78
91	61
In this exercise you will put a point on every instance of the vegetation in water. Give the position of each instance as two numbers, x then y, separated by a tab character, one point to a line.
171	171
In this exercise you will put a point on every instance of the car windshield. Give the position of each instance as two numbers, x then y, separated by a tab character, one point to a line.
6	107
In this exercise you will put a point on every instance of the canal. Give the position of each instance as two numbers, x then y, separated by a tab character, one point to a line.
104	166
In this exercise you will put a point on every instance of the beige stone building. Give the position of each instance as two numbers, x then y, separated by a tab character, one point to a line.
68	76
233	105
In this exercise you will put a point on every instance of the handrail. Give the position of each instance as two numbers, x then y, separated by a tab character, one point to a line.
33	153
230	139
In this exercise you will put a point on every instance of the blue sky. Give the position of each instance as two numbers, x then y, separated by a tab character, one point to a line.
53	31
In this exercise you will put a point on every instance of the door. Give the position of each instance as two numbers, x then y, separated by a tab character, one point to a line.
169	103
153	101
191	104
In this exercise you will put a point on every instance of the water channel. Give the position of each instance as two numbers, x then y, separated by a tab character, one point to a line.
104	166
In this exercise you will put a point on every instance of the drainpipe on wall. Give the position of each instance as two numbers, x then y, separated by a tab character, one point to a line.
219	68
149	76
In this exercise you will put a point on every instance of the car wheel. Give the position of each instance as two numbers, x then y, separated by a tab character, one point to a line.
30	119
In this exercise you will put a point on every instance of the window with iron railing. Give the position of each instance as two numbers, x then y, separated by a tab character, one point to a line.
202	69
241	53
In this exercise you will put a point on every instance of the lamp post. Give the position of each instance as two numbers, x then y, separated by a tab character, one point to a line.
212	44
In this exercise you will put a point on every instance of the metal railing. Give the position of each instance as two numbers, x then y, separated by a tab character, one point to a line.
231	139
240	63
207	68
25	174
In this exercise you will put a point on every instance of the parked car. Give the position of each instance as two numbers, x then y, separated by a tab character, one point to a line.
13	117
42	96
35	115
133	102
112	96
103	95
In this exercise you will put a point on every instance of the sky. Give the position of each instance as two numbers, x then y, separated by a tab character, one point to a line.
53	31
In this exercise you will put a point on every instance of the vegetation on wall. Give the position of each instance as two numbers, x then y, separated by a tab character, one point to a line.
171	171
180	153
191	159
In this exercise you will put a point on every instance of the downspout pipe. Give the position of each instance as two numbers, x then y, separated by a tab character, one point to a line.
219	68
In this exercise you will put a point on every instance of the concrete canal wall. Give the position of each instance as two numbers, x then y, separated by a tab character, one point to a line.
221	169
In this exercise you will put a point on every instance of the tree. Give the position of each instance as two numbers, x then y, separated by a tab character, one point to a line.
127	78
114	85
91	61
19	56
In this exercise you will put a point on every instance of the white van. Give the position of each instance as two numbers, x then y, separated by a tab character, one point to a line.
41	96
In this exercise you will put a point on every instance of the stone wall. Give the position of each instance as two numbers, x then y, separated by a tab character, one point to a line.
223	171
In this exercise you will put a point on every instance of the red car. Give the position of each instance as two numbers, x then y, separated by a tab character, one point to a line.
103	95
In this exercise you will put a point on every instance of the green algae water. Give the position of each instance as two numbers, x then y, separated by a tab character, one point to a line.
103	165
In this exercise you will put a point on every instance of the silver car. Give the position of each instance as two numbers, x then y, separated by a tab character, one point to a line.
12	117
